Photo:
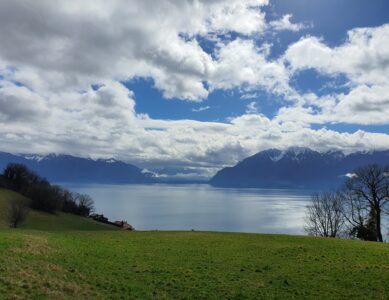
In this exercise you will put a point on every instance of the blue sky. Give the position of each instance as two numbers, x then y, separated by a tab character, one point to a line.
184	87
329	19
332	19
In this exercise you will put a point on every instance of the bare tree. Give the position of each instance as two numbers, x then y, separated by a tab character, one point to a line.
17	211
366	196
85	204
357	212
324	217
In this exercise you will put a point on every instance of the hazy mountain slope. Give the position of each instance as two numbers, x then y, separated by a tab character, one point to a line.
66	168
295	168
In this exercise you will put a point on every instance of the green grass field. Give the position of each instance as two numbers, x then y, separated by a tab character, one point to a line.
56	263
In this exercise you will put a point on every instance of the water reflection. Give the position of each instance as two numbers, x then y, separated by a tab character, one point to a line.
201	207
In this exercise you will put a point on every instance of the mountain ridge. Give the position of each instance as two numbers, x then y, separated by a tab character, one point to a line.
295	167
68	168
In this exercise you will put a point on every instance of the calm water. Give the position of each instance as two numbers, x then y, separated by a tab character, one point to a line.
200	207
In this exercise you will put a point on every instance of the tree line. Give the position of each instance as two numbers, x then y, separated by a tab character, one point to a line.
356	210
40	194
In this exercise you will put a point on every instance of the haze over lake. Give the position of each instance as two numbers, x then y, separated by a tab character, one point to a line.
200	207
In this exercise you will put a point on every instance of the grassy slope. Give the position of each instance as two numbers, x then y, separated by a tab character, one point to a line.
176	265
43	221
179	265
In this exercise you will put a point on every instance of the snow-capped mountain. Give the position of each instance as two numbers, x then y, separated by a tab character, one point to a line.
296	168
66	168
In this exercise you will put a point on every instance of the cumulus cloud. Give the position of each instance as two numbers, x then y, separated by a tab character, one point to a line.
238	16
63	64
73	44
365	105
363	59
19	104
241	63
285	24
103	123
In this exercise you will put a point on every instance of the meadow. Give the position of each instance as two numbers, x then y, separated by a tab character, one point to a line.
70	258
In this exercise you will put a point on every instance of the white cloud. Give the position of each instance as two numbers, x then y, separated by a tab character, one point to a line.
248	96
351	175
103	123
59	45
19	104
241	63
201	108
239	16
285	24
366	105
53	51
363	59
251	108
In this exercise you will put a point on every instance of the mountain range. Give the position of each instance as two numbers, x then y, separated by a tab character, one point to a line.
296	168
273	168
66	168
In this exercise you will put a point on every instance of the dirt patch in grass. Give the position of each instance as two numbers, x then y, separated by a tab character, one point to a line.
33	244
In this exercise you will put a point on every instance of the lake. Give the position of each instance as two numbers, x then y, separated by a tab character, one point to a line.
200	207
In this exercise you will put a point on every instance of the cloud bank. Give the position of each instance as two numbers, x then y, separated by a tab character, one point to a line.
63	65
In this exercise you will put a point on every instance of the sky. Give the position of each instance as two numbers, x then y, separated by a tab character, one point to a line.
183	88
